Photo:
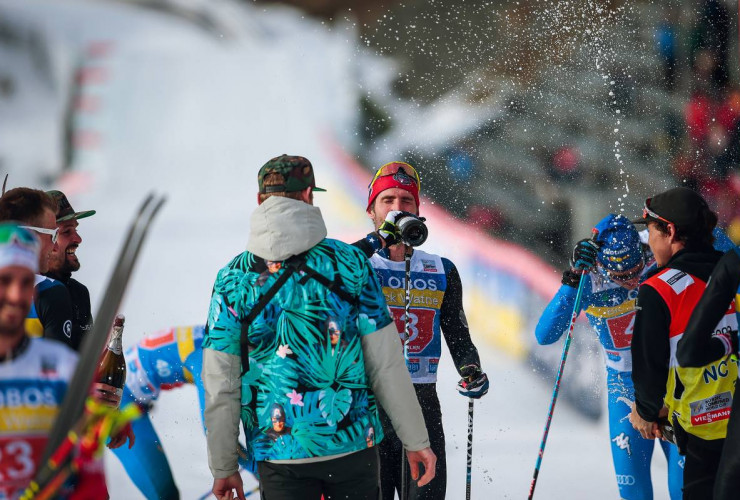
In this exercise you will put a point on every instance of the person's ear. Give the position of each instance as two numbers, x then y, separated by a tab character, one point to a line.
306	195
672	232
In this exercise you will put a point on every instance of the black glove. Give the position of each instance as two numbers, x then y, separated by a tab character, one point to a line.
571	278
584	254
474	383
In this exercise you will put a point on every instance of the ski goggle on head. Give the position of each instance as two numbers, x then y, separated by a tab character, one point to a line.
646	212
54	233
402	172
18	247
623	276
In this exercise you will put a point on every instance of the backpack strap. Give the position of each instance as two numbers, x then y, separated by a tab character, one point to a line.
333	286
257	309
290	266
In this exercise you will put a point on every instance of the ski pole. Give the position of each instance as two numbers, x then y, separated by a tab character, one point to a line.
556	390
470	449
406	335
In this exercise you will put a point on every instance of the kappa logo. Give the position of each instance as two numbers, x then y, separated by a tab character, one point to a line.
623	443
67	329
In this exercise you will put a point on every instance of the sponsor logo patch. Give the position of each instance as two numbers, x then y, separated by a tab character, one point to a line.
429	266
711	409
625	480
677	280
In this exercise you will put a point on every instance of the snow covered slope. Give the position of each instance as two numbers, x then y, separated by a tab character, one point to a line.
170	107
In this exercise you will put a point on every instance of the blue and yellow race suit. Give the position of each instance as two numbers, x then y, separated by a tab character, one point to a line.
161	361
610	309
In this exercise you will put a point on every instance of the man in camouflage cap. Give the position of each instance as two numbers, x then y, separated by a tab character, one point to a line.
276	348
63	262
286	174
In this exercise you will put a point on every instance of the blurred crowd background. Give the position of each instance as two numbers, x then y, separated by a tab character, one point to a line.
585	102
529	119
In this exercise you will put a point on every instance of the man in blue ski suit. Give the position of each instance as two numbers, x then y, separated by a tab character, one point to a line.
161	361
615	264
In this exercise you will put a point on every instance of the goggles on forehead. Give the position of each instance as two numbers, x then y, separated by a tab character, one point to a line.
646	212
402	172
54	233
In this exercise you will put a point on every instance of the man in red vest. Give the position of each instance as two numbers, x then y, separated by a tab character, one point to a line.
696	401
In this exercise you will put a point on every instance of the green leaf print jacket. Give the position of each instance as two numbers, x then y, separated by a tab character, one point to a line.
317	363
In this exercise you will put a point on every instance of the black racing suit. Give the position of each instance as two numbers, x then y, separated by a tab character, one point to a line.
51	314
453	325
701	346
82	319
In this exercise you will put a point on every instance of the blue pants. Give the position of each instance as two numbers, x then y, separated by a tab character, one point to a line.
145	463
630	452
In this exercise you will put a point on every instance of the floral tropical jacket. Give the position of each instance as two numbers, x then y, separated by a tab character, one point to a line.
305	393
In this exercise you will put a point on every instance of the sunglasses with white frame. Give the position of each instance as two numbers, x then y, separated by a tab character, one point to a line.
54	233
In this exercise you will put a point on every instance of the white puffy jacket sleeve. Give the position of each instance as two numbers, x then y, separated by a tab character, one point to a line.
222	384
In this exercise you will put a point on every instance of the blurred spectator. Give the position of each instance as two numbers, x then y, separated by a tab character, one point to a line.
487	218
711	36
698	116
665	41
719	152
565	164
689	166
720	196
729	110
460	161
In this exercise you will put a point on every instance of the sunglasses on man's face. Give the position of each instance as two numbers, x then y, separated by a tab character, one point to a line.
54	233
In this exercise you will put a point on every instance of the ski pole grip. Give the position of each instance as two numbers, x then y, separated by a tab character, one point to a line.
594	234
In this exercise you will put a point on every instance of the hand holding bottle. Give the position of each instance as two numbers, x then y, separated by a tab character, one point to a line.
111	377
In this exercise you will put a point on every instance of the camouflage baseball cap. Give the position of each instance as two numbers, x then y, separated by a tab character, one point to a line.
297	173
65	211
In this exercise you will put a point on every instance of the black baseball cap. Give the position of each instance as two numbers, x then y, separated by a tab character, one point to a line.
682	207
65	211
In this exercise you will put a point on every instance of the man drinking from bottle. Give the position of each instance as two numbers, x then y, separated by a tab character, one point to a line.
436	310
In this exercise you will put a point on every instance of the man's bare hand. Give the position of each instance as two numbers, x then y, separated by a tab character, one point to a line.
224	488
428	459
107	394
127	433
648	430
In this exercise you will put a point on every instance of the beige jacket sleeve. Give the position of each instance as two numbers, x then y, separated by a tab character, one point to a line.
222	384
391	383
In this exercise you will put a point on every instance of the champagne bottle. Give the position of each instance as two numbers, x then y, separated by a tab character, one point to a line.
112	368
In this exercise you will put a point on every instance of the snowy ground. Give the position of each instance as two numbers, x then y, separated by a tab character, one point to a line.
194	117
